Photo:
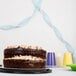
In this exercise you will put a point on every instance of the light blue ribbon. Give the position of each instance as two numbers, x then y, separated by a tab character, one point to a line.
37	5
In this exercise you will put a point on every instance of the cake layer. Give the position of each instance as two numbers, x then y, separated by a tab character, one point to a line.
26	57
11	52
16	63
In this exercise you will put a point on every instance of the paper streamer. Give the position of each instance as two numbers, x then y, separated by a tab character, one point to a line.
46	18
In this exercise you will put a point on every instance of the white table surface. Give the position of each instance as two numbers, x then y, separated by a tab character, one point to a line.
55	72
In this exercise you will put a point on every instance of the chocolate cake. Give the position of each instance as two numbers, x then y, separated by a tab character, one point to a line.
24	57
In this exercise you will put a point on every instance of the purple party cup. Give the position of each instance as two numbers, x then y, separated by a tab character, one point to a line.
51	60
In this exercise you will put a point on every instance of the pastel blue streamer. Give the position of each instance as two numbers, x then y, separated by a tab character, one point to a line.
20	24
37	5
56	31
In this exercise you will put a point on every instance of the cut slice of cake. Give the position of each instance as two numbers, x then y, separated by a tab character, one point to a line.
24	57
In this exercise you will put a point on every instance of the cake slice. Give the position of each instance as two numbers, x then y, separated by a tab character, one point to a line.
24	57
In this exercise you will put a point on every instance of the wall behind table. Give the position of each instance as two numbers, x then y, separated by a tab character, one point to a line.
37	32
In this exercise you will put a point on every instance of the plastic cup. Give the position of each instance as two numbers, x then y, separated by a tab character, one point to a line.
67	59
59	60
74	58
51	61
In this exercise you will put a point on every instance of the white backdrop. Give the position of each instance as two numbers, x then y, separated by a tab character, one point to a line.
37	32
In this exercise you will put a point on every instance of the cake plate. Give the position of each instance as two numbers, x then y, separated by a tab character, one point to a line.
25	71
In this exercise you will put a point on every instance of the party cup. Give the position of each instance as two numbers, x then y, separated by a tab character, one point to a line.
51	61
67	59
59	60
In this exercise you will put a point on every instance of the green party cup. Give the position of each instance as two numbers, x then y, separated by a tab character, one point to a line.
73	66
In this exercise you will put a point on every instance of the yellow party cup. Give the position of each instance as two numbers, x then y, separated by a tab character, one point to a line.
67	59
